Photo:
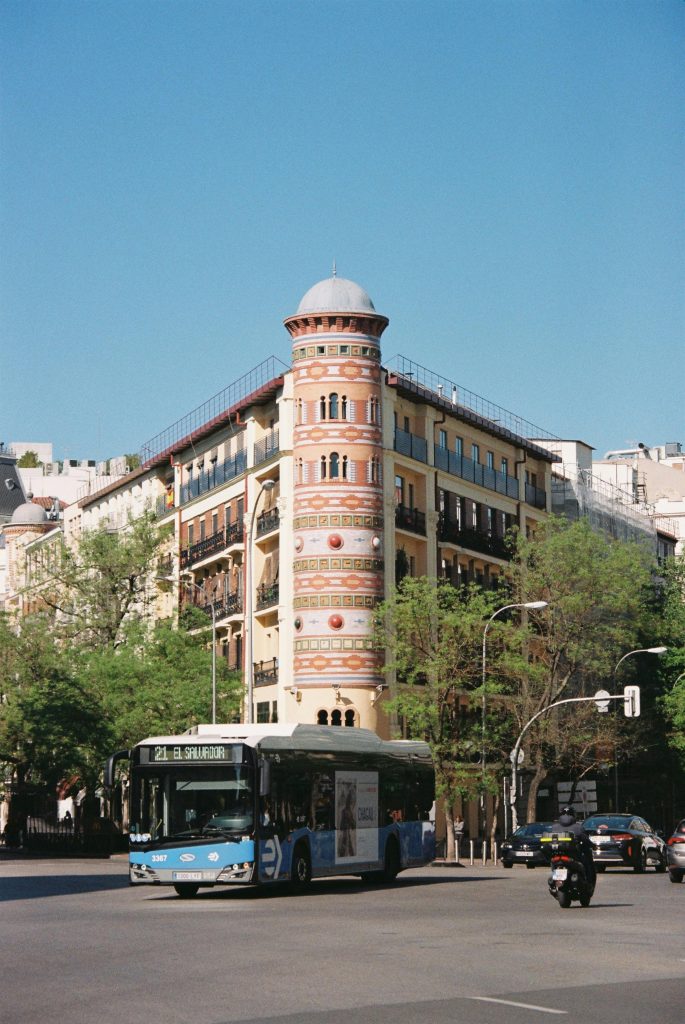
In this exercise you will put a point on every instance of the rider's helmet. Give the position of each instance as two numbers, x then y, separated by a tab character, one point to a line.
568	811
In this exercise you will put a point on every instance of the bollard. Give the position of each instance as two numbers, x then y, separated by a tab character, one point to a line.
495	853
471	852
484	852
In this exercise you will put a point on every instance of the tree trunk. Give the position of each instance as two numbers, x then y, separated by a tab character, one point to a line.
493	824
531	809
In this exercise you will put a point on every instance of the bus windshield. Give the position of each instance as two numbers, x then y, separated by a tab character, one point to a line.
199	799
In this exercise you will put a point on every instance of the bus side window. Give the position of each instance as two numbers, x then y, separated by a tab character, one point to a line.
393	795
323	792
291	795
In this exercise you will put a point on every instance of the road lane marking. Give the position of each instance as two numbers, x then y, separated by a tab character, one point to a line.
523	1006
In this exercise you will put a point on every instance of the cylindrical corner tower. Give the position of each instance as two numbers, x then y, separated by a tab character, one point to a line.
338	499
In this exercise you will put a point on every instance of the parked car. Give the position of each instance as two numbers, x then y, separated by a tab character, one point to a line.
523	847
625	840
675	853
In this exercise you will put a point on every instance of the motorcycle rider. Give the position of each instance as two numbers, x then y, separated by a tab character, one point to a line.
567	821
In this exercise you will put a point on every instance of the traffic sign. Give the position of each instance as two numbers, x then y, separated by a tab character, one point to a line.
602	700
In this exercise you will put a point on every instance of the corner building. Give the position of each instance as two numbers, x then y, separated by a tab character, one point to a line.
301	494
338	568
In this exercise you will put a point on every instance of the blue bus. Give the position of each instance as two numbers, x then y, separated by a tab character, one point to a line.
261	804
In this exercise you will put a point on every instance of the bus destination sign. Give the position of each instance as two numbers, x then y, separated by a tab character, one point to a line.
181	753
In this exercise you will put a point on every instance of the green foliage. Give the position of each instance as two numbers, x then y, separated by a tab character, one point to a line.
102	583
162	686
29	460
434	634
600	605
51	726
673	611
91	674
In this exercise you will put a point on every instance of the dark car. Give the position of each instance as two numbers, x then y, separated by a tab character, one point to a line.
523	847
625	840
675	853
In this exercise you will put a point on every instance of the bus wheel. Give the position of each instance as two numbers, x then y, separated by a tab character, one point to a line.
392	865
301	869
186	891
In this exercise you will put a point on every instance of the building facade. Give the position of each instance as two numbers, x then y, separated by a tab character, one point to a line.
299	496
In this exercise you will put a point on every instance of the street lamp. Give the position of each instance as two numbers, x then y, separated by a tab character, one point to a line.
191	583
640	650
268	485
530	606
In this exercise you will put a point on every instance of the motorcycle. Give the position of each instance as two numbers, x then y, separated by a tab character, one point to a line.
568	880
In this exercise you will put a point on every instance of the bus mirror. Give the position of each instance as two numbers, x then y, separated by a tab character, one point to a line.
110	764
264	777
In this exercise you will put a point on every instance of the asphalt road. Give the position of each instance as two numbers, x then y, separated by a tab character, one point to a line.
468	945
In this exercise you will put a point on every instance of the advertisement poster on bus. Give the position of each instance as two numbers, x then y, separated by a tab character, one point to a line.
356	816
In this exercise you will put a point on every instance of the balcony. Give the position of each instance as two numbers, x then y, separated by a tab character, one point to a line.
219	473
267	447
475	540
467	469
267	521
536	497
411	444
164	504
165	566
203	549
267	595
410	519
466	579
233	534
265	672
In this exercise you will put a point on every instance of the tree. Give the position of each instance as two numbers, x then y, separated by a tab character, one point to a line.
432	633
100	584
51	726
29	460
159	684
600	602
673	609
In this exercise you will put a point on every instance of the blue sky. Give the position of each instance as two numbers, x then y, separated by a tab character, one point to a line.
504	178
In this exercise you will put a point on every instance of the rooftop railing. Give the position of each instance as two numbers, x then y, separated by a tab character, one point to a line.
419	379
220	403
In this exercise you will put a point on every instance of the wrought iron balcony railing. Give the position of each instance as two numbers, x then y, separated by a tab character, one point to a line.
267	521
410	519
265	672
267	594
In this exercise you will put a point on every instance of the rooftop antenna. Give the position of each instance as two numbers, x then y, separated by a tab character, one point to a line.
335	269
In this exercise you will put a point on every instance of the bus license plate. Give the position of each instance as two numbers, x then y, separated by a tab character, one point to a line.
187	876
559	874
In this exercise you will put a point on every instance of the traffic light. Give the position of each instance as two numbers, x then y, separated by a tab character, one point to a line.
631	701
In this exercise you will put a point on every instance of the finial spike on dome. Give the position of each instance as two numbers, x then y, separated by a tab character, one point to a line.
335	271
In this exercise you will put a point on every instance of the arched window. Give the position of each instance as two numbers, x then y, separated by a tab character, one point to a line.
322	718
343	408
374	411
334	465
344	467
322	407
298	413
323	467
336	717
333	406
350	717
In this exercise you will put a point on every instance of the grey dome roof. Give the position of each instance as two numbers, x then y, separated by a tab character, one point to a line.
336	295
29	514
